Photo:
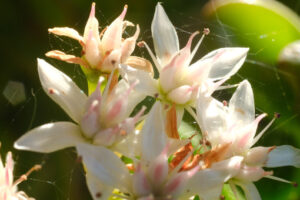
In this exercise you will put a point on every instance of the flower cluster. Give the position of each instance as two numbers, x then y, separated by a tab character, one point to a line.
163	165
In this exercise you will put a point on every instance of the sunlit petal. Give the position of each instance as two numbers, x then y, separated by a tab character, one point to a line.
62	90
50	137
284	155
165	38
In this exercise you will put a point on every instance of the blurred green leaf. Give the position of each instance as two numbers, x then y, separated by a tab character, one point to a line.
266	26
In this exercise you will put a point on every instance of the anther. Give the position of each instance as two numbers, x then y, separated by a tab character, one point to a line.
295	184
206	31
225	103
123	132
141	44
277	115
34	168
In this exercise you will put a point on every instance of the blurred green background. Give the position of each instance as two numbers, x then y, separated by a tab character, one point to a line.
264	27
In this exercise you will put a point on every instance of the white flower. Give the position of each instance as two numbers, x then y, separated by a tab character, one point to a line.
101	119
233	126
179	81
152	177
102	51
8	187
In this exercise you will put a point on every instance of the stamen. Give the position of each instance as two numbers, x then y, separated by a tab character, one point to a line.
102	32
282	180
263	131
24	177
205	32
189	43
223	87
179	166
109	81
295	184
193	114
156	63
277	115
114	81
139	114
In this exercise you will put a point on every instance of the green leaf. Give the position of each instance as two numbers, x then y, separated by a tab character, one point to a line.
265	26
229	194
186	130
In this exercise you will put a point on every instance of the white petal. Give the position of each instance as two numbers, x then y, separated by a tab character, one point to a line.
258	156
97	188
140	183
158	169
153	134
226	62
50	137
146	84
207	184
129	146
164	35
66	31
241	104
198	71
284	155
250	190
62	90
105	165
212	116
229	167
